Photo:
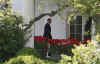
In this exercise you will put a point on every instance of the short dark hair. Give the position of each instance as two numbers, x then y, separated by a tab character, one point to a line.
49	19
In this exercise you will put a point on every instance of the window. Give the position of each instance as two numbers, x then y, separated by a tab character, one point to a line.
76	28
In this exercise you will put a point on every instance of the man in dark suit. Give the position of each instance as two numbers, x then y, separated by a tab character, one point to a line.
47	33
47	29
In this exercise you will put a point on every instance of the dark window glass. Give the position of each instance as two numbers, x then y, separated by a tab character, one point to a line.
76	28
78	36
78	20
72	35
72	28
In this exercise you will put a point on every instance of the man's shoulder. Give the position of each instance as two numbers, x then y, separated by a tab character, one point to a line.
47	24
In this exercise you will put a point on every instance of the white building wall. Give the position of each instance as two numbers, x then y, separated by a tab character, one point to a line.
29	10
58	25
26	8
28	14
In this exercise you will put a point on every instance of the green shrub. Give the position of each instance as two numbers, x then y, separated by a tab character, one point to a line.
1	62
98	37
28	56
83	55
11	37
11	34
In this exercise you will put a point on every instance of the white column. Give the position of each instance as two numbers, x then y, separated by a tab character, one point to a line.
93	30
28	14
83	26
28	10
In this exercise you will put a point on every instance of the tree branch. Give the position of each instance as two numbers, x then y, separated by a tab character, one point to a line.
52	13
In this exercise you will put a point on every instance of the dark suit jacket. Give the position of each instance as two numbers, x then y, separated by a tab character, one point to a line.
47	31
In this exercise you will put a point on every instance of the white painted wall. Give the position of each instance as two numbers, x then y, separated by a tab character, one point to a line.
27	9
58	25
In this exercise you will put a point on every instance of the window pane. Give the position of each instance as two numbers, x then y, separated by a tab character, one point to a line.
78	20
72	35
78	36
78	28
72	28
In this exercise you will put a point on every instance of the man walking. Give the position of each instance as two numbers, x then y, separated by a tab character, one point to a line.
47	34
47	29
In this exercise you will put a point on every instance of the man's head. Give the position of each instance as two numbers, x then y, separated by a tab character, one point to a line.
49	20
